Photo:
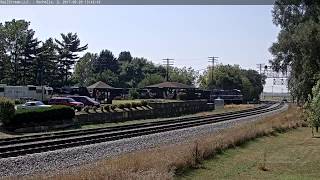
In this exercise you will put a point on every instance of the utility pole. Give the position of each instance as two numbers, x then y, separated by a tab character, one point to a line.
260	67
213	60
260	72
168	62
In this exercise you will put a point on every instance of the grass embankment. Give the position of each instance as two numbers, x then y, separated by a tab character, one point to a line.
166	162
292	155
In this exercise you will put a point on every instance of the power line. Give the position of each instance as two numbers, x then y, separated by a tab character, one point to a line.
168	62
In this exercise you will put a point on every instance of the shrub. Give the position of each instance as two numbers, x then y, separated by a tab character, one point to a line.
127	105
121	106
134	104
107	107
133	93
51	115
113	107
312	107
17	101
144	103
7	110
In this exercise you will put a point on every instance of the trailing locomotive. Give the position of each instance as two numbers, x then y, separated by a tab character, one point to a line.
229	96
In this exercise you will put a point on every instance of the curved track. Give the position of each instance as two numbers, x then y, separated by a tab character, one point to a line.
13	147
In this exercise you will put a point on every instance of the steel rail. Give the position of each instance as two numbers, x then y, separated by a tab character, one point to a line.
43	146
48	136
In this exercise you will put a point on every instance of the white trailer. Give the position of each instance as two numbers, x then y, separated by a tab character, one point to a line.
26	92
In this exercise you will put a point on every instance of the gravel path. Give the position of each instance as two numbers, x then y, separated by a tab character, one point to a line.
56	161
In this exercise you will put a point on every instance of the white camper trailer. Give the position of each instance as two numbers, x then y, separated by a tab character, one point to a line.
26	92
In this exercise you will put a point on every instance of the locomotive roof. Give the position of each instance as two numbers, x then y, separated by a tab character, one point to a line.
173	85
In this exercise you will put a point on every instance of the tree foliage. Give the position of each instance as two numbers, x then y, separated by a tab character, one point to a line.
125	56
67	49
297	47
83	72
183	75
105	61
126	71
230	77
151	79
312	106
26	60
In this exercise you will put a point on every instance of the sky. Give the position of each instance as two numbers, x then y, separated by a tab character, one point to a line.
188	34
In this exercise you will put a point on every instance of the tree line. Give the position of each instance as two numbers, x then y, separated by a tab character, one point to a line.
126	71
249	82
24	60
297	50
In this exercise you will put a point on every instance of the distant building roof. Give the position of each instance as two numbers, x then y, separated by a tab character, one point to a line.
100	85
173	85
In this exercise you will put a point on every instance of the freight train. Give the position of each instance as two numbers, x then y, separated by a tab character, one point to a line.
229	96
45	93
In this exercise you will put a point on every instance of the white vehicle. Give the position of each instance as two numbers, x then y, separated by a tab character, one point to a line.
26	92
32	105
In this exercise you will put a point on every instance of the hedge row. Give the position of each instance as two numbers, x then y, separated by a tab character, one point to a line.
125	105
51	115
7	110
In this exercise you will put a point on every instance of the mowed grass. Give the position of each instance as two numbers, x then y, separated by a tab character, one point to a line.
292	155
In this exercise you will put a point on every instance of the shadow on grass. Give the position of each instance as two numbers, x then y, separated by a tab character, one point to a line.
188	172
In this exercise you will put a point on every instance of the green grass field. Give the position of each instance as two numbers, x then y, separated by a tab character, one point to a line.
293	155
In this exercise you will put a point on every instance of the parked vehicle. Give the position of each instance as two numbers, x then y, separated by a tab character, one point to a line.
86	100
67	102
31	92
32	105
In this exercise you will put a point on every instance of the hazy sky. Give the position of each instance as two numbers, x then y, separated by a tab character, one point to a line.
189	34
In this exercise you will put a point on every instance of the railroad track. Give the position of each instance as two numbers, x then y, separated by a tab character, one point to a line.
18	146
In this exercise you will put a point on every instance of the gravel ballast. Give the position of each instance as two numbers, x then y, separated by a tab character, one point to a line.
58	160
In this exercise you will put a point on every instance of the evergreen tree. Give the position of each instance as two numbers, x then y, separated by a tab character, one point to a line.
30	54
46	65
105	61
67	49
125	56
